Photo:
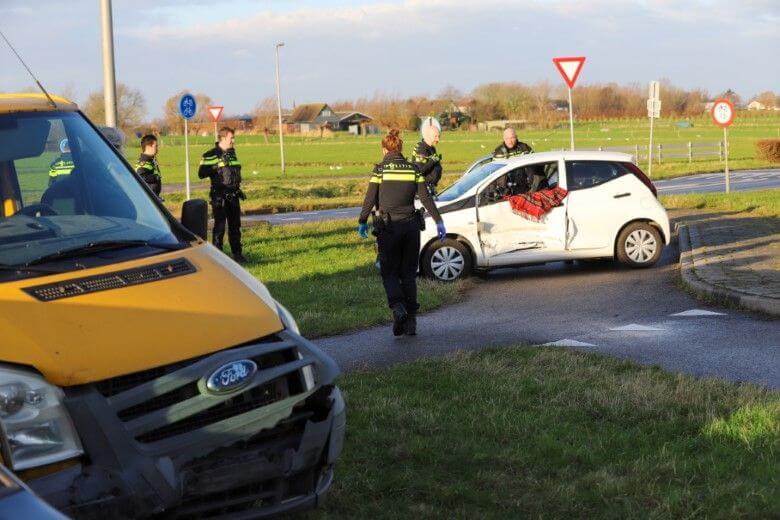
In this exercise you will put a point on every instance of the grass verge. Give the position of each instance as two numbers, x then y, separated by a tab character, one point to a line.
325	275
540	432
761	203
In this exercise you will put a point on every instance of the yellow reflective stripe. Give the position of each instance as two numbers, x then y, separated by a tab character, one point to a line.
9	207
145	165
420	179
376	179
408	177
208	161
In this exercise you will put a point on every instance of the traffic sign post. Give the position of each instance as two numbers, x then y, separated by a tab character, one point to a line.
723	115
653	112
570	69
187	108
216	116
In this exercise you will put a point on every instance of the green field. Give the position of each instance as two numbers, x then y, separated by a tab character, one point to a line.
347	155
531	432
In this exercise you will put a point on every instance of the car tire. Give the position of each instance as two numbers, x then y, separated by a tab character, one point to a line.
639	245
447	260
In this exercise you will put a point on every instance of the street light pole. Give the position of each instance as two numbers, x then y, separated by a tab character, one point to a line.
109	79
279	105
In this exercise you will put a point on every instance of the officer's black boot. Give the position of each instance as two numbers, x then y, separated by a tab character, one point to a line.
410	327
241	259
399	318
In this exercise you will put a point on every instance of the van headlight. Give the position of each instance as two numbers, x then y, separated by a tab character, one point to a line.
36	427
287	319
289	323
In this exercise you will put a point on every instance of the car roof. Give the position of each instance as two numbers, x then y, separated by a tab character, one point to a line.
24	102
567	155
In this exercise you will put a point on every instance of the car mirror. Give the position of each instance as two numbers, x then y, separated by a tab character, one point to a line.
195	217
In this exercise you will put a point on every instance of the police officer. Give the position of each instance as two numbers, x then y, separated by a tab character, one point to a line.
63	165
221	165
392	188
427	159
147	166
511	146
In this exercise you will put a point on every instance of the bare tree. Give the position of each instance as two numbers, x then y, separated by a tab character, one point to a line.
265	116
173	119
767	98
131	107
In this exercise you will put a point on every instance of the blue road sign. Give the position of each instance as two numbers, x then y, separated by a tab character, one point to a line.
187	106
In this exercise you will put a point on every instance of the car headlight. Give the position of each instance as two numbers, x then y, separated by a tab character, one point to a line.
36	427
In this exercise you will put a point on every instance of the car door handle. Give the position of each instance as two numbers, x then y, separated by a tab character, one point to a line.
621	195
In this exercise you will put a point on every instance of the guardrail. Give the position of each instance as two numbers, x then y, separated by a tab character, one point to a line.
690	150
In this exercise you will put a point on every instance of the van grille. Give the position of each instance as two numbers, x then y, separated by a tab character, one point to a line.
166	402
116	280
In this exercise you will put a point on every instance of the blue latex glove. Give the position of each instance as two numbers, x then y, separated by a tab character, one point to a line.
363	230
441	229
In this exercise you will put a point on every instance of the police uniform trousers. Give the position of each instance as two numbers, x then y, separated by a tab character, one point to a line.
399	249
227	208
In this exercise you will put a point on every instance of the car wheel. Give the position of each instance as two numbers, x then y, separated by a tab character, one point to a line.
447	260
639	245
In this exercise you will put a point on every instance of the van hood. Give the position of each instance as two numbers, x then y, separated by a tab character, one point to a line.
104	334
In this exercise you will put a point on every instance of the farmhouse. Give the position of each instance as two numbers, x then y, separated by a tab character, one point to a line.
317	116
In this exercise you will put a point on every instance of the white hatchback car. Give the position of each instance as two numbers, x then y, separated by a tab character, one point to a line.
611	211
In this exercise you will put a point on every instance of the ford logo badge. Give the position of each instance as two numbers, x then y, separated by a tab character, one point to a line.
231	377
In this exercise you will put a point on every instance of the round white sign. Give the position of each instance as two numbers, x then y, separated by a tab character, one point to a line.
723	112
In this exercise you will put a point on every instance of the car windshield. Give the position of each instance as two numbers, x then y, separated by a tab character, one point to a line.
63	189
468	181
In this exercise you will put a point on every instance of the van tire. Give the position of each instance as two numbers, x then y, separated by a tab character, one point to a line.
447	260
639	245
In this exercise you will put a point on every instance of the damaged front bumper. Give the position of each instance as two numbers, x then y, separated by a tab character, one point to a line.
159	443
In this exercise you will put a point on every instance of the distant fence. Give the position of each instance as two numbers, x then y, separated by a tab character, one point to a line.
661	152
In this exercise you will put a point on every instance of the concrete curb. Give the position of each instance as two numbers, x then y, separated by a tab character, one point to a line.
691	279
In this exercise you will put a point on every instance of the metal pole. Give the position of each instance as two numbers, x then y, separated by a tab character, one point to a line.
187	159
279	106
571	121
650	150
109	78
726	153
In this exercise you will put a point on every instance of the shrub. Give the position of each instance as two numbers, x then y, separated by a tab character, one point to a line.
768	150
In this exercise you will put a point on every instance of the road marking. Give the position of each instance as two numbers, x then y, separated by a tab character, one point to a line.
635	327
698	312
568	343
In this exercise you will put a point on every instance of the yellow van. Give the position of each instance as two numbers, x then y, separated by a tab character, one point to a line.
142	371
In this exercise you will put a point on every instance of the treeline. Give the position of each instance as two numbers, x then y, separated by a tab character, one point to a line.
538	104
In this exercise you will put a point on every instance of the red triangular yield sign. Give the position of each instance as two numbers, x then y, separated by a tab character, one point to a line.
216	113
569	68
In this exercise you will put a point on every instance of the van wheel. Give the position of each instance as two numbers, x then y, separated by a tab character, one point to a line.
447	260
639	245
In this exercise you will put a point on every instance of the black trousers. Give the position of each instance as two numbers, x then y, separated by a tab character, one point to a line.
399	249
227	209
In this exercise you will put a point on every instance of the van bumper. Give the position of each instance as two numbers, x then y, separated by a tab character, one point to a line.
264	472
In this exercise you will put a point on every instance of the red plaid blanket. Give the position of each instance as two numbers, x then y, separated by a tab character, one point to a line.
534	206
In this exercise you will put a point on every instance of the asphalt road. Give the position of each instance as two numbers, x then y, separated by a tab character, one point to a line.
704	183
590	307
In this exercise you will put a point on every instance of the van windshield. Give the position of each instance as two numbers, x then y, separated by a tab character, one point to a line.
65	192
468	181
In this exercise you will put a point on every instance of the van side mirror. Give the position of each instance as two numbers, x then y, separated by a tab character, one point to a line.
195	217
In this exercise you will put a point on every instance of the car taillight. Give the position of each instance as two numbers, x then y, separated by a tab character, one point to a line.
642	177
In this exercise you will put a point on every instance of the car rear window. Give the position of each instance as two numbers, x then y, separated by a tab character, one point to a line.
581	175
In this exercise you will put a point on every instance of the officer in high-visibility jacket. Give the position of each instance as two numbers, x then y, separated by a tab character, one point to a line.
220	164
511	147
63	165
391	190
147	167
427	159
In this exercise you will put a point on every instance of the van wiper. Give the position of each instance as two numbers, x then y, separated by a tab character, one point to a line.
103	245
28	269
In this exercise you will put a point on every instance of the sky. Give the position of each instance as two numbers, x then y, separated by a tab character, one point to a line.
339	49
